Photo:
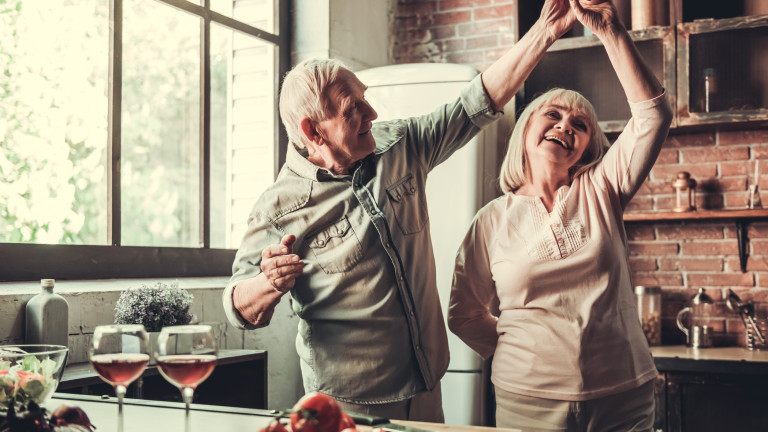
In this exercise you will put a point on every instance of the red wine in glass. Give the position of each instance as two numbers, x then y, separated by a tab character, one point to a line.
186	356
120	368
186	370
119	353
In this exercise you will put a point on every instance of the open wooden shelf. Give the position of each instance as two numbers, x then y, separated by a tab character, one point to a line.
741	217
709	215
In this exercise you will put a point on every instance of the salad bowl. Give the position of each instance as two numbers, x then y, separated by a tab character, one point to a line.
30	373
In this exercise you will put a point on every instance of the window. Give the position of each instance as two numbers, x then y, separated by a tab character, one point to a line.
135	135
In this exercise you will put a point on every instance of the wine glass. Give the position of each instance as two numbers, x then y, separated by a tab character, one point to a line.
186	356
119	353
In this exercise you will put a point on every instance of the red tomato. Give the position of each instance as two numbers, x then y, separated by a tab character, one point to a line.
346	422
274	426
316	412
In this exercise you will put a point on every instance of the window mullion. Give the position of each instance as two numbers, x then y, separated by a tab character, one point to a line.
114	113
205	128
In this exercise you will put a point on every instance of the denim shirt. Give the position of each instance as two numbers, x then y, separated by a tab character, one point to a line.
371	329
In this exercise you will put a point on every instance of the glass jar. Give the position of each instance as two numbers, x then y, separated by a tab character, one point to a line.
649	311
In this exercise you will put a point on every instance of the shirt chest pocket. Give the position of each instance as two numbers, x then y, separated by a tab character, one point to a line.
336	247
409	204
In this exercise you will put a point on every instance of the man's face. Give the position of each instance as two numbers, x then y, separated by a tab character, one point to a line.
347	130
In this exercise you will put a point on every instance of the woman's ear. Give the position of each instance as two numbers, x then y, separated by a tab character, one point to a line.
310	131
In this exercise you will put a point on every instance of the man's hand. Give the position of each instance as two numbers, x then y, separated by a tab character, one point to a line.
280	266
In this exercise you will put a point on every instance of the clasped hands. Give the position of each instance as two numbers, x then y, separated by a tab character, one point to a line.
280	265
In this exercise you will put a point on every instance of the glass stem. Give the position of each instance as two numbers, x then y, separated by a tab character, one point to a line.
120	391
186	394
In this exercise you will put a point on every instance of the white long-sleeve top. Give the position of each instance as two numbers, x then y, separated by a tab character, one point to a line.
567	326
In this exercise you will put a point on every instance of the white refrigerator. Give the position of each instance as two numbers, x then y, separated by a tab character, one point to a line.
456	190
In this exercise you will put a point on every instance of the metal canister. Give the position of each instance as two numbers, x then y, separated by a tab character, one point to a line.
649	311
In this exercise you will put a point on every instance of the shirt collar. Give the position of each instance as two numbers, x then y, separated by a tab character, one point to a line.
297	161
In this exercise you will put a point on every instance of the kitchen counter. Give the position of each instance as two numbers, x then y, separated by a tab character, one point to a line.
143	416
680	358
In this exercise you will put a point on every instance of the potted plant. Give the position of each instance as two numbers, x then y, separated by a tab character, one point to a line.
154	306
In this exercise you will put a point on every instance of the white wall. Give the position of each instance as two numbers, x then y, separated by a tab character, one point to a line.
354	31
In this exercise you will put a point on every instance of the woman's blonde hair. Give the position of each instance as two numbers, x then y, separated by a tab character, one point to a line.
303	95
513	168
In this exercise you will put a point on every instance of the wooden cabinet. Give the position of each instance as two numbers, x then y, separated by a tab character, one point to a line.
712	61
710	389
722	69
581	63
703	402
239	380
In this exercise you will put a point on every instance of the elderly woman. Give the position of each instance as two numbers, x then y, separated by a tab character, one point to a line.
542	278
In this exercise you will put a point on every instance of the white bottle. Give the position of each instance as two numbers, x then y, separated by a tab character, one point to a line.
47	317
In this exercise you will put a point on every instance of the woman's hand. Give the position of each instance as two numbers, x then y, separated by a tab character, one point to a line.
599	16
557	17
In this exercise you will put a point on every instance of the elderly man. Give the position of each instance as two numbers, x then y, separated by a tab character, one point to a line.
345	230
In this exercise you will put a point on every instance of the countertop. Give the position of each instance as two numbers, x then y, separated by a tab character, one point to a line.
680	358
143	416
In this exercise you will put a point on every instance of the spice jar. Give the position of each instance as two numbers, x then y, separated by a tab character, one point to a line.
649	311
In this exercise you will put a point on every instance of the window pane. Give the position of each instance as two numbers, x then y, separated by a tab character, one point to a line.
53	121
160	169
243	133
257	13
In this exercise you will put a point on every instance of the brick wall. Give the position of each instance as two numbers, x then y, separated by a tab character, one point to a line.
678	256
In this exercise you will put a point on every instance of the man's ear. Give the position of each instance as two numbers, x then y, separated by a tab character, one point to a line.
310	131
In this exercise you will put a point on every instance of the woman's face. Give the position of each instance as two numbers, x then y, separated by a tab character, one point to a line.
556	135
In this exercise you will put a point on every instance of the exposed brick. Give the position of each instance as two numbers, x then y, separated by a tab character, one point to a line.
743	137
640	204
690	264
720	279
409	37
444	32
637	232
690	156
509	38
736	200
450	18
741	168
465	57
422	7
485	27
709	248
668	156
451	45
504	11
655	187
483	42
730	184
643	264
760	152
759	246
653	249
758	230
699	171
685	232
406	23
458	4
690	140
760	263
657	278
